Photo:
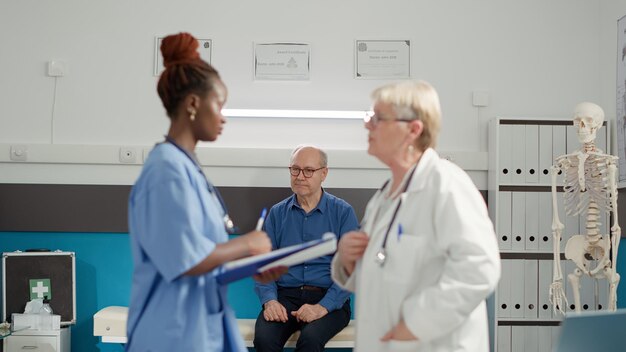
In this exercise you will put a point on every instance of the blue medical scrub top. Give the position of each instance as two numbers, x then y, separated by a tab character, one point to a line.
175	222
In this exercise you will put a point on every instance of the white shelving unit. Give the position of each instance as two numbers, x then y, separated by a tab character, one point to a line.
521	152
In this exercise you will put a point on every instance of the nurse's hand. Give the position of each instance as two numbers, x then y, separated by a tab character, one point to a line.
310	312
399	332
351	248
274	311
257	242
270	274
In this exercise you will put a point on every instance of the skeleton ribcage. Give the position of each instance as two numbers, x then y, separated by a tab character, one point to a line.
596	184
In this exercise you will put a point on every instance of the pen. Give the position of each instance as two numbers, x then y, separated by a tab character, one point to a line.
399	231
259	224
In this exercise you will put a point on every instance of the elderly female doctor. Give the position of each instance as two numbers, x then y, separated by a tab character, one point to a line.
426	256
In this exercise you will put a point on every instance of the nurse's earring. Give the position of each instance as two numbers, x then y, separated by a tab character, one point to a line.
411	150
192	114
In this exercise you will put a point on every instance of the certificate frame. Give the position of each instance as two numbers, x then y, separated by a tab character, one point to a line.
205	48
382	59
282	61
620	109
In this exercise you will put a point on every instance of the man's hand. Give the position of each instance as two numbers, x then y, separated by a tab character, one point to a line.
274	311
270	274
399	332
310	312
351	248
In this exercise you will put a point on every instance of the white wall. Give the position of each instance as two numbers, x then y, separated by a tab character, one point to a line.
536	58
611	11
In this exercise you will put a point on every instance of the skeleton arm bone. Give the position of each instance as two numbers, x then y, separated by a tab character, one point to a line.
557	294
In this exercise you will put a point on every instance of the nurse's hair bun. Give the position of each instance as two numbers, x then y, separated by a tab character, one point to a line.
181	48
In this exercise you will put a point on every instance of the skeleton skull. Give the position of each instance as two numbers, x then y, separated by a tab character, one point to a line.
588	118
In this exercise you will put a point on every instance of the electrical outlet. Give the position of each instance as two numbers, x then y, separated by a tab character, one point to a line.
19	153
128	155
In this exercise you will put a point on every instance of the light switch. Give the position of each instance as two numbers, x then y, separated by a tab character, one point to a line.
57	68
480	98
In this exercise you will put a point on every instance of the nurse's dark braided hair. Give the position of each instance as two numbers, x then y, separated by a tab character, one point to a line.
185	72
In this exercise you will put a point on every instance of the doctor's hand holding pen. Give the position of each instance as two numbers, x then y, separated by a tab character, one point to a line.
351	248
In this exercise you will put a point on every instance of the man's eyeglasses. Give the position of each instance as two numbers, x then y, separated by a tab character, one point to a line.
295	171
374	119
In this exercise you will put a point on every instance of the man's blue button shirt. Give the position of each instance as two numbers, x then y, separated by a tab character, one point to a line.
288	224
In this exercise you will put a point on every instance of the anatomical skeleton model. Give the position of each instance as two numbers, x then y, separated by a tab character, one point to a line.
590	187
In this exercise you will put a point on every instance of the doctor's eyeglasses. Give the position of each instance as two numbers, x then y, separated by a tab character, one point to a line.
308	173
374	119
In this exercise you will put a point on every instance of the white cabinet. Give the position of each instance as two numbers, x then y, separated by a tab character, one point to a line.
521	152
39	341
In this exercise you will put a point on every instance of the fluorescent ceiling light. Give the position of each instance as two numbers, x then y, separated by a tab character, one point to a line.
307	114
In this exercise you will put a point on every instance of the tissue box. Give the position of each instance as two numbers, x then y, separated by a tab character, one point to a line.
22	273
36	321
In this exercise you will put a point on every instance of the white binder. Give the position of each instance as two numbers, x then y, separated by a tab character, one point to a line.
531	337
504	151
504	290
517	288
504	338
518	221
532	222
568	268
518	154
587	293
530	288
543	293
504	220
558	146
545	221
517	338
545	153
603	295
532	154
544	339
601	139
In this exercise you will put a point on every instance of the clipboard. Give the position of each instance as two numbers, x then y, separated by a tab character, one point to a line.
288	256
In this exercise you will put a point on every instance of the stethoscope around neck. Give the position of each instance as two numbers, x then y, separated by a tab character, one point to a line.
228	222
381	255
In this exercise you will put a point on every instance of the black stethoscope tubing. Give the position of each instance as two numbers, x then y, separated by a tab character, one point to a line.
228	224
381	254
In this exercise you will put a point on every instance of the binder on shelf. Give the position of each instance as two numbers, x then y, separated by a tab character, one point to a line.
545	154
504	338
518	154
532	222
504	160
518	221
288	256
530	288
545	280
517	288
544	339
504	290
531	337
517	338
531	164
545	221
504	221
558	145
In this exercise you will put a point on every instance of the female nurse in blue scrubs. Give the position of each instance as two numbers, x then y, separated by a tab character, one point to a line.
178	222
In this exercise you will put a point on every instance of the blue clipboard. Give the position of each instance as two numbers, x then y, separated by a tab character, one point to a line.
249	266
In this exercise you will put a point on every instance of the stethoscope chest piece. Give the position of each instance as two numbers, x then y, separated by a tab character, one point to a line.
381	256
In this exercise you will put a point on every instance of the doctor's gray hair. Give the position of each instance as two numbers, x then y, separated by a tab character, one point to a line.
414	100
323	155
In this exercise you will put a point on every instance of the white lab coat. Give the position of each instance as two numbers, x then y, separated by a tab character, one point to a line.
437	273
